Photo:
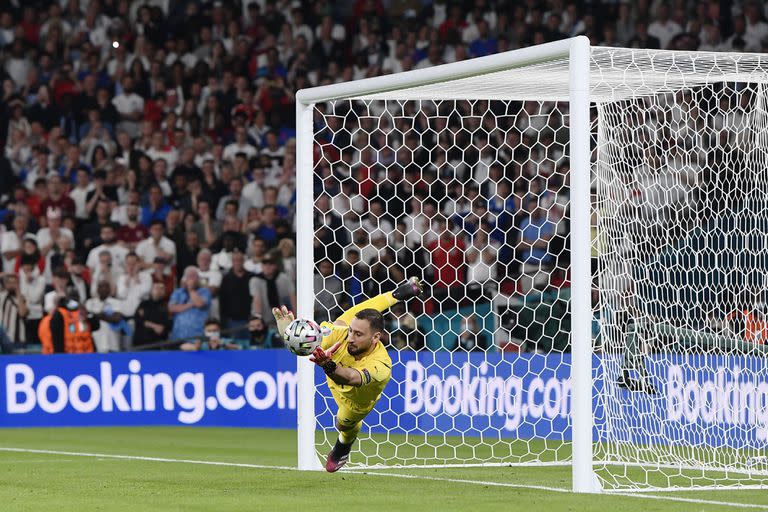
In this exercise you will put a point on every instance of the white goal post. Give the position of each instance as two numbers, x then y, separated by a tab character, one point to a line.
609	114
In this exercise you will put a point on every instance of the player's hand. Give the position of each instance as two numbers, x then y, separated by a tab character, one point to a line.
320	356
283	317
408	290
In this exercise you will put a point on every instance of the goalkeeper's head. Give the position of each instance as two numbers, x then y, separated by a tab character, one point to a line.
365	331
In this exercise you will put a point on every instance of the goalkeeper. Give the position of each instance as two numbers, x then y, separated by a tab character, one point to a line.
355	362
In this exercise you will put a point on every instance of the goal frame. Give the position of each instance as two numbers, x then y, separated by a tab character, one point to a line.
577	51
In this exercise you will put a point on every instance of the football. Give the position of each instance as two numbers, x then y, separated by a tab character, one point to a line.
302	336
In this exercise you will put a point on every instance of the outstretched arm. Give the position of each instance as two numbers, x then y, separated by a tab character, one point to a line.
338	374
411	288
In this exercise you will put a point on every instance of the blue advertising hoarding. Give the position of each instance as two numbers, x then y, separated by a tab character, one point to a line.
701	399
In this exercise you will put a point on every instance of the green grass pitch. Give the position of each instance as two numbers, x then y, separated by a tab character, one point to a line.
70	481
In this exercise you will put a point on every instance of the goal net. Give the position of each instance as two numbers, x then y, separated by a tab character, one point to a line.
465	176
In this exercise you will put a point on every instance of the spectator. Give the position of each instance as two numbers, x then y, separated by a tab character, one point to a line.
240	145
89	235
242	203
663	28
160	273
328	292
189	305
10	243
32	288
156	208
133	286
14	310
187	251
260	335
271	289
152	318
47	237
109	244
447	254
209	276
105	271
536	232
57	199
129	106
105	308
156	245
212	337
80	193
131	233
67	328
473	336
233	310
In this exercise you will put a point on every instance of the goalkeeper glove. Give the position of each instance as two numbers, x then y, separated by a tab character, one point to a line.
283	317
408	290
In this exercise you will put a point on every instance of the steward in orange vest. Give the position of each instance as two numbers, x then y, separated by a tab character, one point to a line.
66	330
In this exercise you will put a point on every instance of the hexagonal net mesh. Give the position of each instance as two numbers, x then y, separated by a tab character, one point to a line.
472	195
682	211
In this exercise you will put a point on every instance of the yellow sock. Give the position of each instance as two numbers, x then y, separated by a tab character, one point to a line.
379	303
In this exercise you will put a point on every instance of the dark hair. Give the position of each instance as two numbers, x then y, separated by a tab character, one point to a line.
212	321
29	259
375	319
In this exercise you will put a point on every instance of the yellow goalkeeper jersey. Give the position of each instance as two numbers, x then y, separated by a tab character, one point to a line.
375	370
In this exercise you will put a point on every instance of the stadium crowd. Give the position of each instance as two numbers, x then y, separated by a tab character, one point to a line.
148	177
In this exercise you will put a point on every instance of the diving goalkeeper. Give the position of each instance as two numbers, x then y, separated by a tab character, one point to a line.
355	362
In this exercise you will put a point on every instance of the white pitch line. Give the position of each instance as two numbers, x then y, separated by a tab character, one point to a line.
149	459
392	475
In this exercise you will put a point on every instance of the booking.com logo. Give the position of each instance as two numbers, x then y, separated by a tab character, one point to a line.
136	392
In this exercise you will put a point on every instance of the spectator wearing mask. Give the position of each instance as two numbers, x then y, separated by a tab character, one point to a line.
67	329
211	340
262	336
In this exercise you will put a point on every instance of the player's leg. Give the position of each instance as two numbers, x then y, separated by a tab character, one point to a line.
411	288
348	423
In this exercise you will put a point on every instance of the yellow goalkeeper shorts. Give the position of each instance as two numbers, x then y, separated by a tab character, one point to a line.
348	417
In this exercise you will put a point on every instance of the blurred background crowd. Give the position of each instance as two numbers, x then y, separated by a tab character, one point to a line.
149	166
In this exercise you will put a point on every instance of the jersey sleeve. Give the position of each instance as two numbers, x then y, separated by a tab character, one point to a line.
336	333
374	371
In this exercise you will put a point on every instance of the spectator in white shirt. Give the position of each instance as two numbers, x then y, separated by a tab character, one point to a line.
79	193
209	277
160	150
32	288
663	28
156	245
48	237
109	311
130	106
757	29
10	243
108	243
133	286
240	145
